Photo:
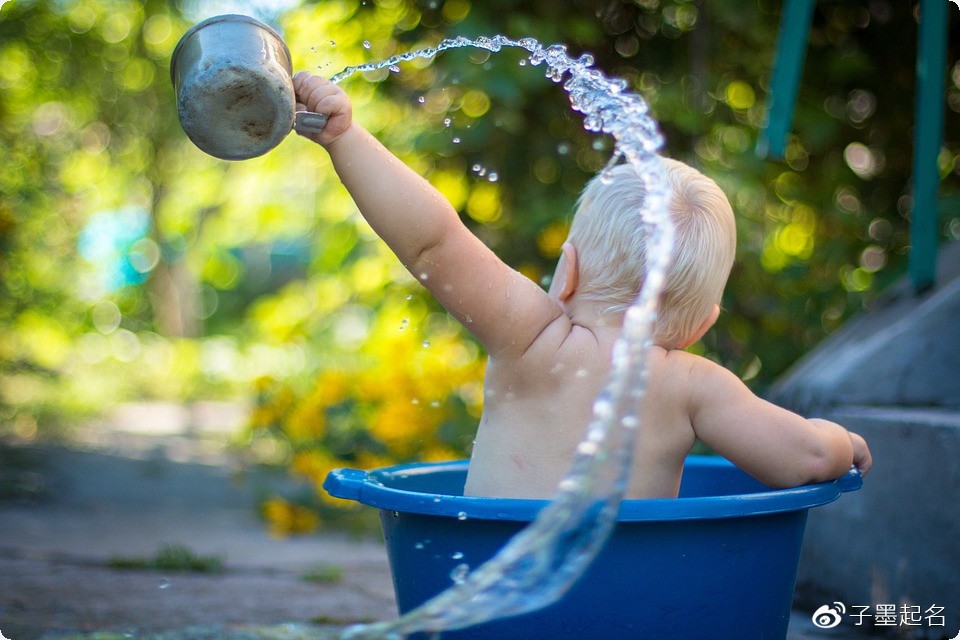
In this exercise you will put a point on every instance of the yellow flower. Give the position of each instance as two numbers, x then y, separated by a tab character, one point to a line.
284	518
263	383
332	387
312	465
401	425
369	461
306	421
438	453
262	416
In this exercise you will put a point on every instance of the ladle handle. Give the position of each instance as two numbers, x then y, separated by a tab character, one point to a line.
309	122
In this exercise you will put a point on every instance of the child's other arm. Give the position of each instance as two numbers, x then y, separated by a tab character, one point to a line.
776	446
504	309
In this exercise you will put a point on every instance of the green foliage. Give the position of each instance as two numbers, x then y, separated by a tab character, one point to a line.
231	273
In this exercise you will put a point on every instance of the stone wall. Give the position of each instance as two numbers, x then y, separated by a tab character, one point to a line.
893	376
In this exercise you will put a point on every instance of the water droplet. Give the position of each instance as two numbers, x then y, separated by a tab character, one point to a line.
493	177
419	545
563	148
164	583
366	44
522	63
422	99
424	275
462	515
415	401
587	448
436	498
410	296
456	141
447	122
457	555
459	573
476	168
426	344
435	404
394	68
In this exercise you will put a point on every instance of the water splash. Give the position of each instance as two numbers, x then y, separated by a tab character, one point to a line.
541	562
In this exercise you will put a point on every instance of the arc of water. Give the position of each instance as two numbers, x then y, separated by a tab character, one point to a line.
540	563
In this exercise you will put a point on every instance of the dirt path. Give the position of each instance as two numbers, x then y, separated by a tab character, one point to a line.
56	554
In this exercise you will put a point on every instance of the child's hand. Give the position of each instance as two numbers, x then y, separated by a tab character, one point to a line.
861	453
319	95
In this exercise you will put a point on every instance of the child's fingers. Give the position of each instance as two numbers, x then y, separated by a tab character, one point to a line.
301	78
319	95
306	84
314	94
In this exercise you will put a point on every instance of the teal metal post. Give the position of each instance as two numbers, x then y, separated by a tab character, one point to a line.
928	130
787	68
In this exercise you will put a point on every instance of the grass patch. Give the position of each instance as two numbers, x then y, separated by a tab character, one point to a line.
323	574
173	558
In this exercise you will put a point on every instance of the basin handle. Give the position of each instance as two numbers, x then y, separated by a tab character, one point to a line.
851	480
346	483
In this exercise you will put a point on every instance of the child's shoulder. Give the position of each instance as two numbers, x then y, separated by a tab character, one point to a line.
684	372
696	381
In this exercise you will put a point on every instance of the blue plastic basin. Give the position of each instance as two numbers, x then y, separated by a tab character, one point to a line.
718	562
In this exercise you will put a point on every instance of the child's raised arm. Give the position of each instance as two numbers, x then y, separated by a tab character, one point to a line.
776	446
504	309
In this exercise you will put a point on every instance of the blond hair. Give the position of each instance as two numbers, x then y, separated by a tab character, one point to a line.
611	246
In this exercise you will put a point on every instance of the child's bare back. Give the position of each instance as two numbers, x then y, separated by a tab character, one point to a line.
536	412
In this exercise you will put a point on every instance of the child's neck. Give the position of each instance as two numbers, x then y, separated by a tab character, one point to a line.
593	315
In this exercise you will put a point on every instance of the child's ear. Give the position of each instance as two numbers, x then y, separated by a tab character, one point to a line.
704	327
570	273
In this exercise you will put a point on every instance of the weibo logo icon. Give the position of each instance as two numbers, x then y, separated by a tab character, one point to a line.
829	616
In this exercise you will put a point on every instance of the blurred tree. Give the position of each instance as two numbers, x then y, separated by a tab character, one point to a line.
187	276
820	233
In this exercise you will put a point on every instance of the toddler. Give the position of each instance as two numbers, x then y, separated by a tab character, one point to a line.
549	352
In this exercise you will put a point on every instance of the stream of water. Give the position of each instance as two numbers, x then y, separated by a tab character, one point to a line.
541	562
